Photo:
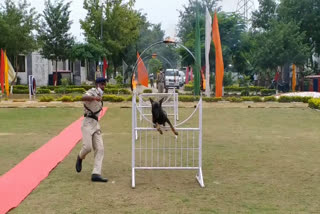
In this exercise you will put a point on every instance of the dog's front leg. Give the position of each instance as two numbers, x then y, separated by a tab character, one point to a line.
158	128
172	128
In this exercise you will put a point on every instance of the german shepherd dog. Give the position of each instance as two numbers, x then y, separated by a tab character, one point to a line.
159	116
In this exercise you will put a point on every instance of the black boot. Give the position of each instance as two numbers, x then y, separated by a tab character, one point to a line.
98	178
79	164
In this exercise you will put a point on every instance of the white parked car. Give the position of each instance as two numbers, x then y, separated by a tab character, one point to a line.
172	78
182	78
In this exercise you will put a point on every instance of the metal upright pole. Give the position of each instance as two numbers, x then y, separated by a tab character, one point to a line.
101	36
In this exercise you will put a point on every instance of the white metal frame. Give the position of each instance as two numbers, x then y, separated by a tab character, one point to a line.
172	146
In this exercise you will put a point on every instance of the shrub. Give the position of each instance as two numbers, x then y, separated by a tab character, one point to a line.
270	99
147	91
211	99
246	98
185	98
233	88
20	91
113	98
256	99
188	87
256	88
77	98
306	99
111	91
245	92
129	98
124	91
63	90
75	90
268	92
113	86
285	99
20	87
66	99
314	103
43	91
50	87
46	99
239	89
119	80
65	82
60	90
233	99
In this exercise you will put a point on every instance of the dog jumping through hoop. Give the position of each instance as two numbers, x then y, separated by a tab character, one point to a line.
159	116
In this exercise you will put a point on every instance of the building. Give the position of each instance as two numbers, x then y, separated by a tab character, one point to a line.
44	70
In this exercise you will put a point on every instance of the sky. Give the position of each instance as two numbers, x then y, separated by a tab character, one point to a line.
157	11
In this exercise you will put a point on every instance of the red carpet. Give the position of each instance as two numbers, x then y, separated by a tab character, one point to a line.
18	183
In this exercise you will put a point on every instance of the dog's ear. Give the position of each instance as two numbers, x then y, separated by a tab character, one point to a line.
151	100
160	101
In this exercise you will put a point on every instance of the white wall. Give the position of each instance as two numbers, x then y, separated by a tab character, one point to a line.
40	69
84	73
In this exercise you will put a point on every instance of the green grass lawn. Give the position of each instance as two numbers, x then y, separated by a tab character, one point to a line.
254	161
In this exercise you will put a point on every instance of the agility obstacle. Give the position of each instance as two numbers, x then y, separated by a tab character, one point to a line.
152	151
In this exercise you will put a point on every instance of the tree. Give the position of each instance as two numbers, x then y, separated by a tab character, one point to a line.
306	14
187	16
88	51
282	44
154	66
262	17
54	32
120	26
232	27
17	23
148	34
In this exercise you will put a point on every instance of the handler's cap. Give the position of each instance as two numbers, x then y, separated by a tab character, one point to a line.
101	80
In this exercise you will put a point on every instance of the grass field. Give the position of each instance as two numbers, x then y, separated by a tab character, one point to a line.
255	160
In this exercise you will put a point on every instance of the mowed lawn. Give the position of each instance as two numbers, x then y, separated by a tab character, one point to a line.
255	160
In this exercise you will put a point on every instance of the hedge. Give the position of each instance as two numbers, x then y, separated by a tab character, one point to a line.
234	99
69	90
184	98
268	92
270	99
239	89
20	91
116	91
188	87
287	99
20	87
211	99
77	98
65	99
43	91
148	91
113	98
46	99
314	103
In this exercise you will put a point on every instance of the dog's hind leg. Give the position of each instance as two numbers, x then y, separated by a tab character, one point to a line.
158	128
172	128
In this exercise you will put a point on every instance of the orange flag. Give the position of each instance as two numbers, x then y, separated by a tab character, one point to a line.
6	73
219	57
142	72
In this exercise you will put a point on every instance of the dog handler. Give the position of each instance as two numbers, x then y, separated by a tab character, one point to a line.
91	131
161	81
